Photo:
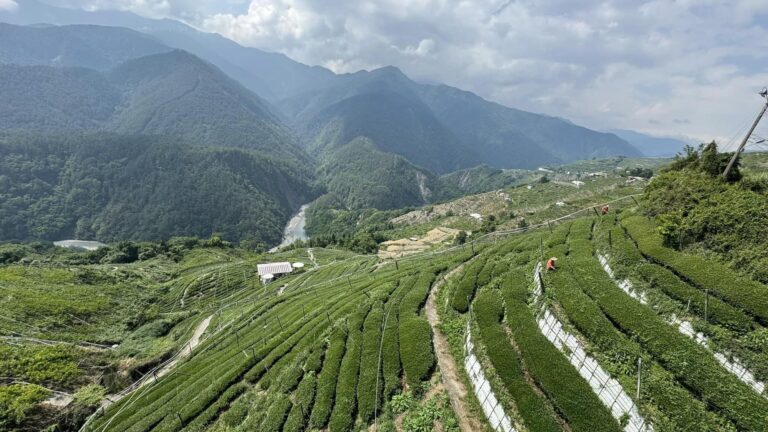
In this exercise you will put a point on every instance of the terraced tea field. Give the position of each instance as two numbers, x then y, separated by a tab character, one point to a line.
345	344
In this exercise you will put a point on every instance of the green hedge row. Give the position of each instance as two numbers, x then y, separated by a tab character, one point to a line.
391	369
343	414
465	289
370	382
416	351
276	414
570	394
719	279
678	409
202	421
304	396
326	383
691	364
718	311
536	414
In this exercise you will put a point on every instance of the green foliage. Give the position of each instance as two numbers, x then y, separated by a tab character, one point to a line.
276	415
90	395
326	385
303	400
567	391
719	279
343	414
371	382
17	401
467	285
718	312
42	364
537	416
109	187
416	351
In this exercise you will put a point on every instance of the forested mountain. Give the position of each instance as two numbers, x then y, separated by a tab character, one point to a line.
108	187
363	176
173	93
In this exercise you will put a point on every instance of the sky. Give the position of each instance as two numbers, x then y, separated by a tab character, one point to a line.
680	68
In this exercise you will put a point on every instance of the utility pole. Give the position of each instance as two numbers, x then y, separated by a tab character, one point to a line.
764	94
706	304
639	369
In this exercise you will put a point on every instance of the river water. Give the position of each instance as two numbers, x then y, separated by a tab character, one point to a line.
294	230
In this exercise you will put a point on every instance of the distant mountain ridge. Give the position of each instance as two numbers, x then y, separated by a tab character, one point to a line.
651	146
370	138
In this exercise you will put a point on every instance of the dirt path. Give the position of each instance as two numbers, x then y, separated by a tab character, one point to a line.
185	352
448	367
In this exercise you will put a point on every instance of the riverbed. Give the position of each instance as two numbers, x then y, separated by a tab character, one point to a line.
294	230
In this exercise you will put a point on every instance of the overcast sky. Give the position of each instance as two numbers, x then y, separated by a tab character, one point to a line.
686	67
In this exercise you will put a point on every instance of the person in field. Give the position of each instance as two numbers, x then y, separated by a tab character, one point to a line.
551	264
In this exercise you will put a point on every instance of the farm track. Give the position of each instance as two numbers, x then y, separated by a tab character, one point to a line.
448	367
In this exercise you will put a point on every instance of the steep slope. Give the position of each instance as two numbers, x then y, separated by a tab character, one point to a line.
178	94
363	176
108	187
173	93
381	106
88	46
46	99
510	138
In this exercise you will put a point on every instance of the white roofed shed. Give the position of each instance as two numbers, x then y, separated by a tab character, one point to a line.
274	270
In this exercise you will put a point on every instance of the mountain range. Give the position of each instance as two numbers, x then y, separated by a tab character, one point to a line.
95	72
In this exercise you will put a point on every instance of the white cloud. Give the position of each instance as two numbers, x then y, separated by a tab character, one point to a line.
8	5
688	67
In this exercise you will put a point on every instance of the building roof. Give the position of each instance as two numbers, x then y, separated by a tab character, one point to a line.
274	268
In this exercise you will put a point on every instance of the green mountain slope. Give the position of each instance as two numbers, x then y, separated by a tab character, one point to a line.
363	176
173	93
109	187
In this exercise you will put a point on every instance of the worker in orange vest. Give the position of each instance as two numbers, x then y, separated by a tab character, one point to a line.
551	264
605	210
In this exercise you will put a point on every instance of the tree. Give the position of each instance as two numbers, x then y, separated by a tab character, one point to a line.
461	238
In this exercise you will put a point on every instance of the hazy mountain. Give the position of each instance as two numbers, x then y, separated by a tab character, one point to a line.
88	46
651	146
383	107
271	75
173	93
510	138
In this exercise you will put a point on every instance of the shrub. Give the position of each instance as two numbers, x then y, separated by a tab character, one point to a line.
467	284
532	408
371	382
276	414
719	279
718	311
416	351
343	414
568	392
303	398
326	385
17	401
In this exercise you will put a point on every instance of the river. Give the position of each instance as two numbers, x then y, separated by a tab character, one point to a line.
294	230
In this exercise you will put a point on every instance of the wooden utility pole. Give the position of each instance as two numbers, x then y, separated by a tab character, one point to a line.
764	94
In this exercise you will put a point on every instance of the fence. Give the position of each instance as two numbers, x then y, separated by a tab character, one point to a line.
493	410
607	389
733	366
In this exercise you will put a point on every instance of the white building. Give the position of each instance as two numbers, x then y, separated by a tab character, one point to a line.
271	271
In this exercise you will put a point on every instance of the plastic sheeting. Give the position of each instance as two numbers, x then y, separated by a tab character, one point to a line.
493	410
607	389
